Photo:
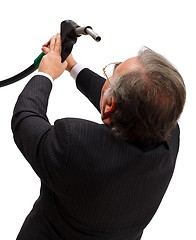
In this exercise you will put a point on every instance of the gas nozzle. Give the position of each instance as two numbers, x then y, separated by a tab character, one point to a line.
70	31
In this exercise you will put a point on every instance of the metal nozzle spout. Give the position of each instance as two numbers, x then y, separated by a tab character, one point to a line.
87	30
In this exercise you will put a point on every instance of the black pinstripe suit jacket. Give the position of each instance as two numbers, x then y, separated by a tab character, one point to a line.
93	186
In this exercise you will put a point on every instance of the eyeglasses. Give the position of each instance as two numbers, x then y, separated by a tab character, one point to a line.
109	69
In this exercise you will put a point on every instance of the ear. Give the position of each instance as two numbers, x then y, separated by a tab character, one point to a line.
109	107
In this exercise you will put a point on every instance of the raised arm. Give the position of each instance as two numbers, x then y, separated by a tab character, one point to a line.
87	81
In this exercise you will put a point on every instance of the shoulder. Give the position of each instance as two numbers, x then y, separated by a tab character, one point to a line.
73	122
79	126
83	131
174	140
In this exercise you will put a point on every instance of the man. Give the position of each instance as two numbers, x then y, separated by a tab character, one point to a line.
100	181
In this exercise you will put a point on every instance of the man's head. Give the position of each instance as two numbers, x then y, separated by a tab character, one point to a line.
143	99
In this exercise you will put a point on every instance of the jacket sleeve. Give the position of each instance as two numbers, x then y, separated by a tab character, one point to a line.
39	141
90	84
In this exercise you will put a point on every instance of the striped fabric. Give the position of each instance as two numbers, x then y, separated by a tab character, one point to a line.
93	186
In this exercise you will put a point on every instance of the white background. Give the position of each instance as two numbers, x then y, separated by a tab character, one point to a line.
167	27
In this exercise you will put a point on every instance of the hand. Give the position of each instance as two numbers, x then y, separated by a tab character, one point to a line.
51	62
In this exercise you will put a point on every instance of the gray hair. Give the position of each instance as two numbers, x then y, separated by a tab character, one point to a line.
149	100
